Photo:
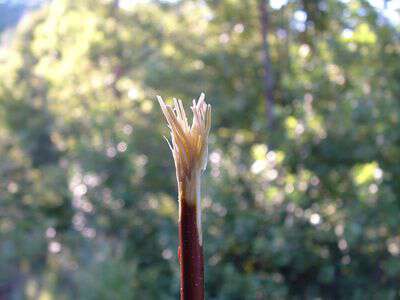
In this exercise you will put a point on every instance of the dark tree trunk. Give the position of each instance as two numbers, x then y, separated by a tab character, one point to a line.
267	80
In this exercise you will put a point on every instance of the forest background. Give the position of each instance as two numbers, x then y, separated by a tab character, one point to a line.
302	189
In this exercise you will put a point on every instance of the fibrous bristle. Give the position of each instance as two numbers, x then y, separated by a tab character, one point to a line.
189	144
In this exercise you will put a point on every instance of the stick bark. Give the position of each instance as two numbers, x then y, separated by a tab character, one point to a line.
190	250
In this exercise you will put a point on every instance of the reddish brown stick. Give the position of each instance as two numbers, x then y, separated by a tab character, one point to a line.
190	253
189	146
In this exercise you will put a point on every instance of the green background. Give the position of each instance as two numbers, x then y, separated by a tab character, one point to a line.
305	208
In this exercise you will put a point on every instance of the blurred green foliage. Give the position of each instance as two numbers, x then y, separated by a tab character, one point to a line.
307	209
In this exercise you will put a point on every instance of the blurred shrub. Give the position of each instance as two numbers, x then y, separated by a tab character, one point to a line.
304	210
